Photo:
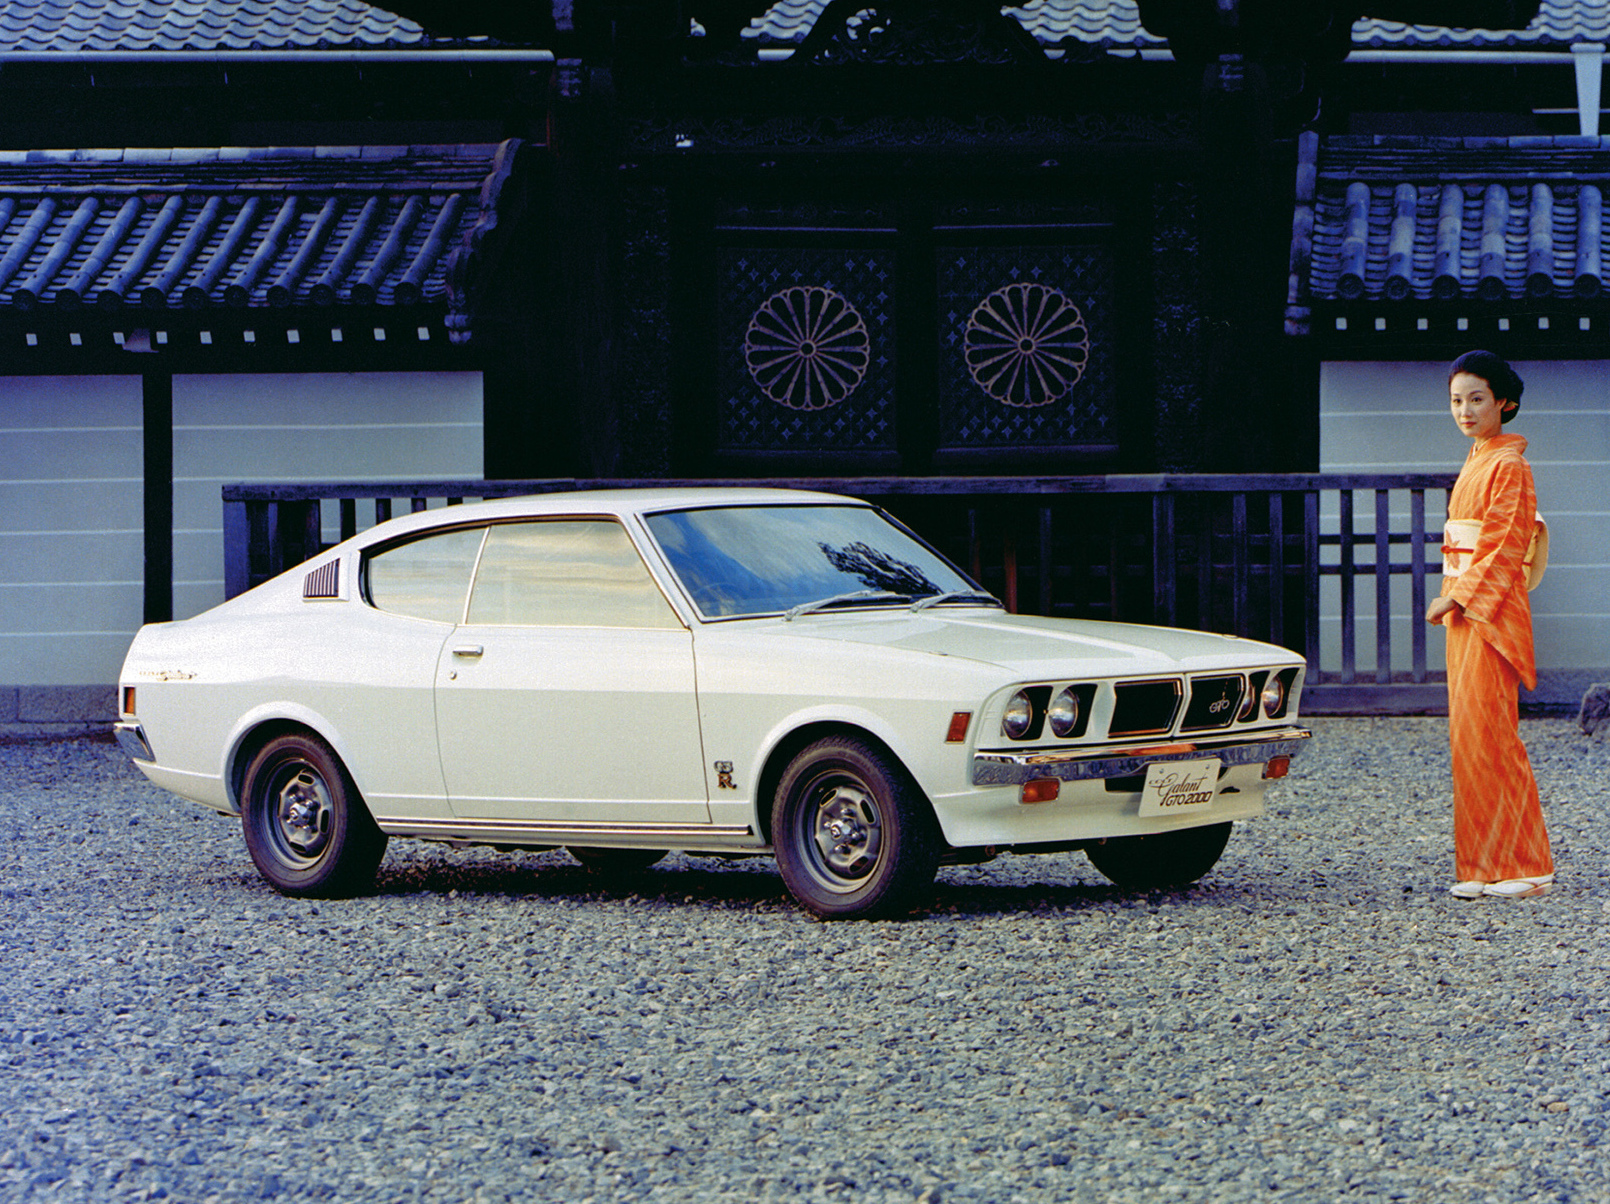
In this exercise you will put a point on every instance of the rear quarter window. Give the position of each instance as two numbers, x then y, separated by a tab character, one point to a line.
425	578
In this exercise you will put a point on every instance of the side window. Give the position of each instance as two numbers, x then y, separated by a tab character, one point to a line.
425	578
565	573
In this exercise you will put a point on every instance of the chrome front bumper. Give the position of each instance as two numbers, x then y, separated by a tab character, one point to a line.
1086	764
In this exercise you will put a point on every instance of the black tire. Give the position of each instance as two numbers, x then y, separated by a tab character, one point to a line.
1161	860
306	826
615	861
853	834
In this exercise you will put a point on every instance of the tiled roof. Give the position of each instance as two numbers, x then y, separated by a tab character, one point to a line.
79	26
1558	24
1115	24
1476	219
166	229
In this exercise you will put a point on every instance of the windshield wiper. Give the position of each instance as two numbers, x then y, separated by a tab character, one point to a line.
860	595
978	595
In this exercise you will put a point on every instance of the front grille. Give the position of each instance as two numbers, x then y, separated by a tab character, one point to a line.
1144	708
1215	702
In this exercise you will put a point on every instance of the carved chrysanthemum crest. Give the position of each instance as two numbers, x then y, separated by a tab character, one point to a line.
1026	345
807	348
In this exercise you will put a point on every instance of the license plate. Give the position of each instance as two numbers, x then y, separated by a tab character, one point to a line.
1176	787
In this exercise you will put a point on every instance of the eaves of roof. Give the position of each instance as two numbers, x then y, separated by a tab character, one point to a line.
243	228
1114	25
51	29
1478	220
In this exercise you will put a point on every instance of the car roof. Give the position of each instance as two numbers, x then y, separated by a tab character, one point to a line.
599	502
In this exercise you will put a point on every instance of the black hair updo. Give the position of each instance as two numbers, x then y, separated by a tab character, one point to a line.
1504	381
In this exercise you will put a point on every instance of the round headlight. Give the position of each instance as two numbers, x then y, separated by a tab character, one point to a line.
1274	697
1019	716
1249	704
1063	712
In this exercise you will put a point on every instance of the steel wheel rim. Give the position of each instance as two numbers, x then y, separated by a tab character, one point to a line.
299	813
843	833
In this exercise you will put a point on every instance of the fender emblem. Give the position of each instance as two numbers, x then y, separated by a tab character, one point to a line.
724	776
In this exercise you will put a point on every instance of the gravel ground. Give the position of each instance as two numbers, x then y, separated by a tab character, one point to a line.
1318	1020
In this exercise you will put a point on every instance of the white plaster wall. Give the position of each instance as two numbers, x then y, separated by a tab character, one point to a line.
72	519
372	426
1393	417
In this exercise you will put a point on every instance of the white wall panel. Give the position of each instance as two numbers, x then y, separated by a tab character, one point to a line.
293	428
1393	417
72	517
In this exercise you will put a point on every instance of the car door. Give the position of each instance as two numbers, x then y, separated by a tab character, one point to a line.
567	695
382	669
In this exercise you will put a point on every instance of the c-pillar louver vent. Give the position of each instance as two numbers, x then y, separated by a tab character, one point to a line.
323	582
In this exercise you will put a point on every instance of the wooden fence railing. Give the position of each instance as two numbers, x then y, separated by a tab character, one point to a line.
1247	555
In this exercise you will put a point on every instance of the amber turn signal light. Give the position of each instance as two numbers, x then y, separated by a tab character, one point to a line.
1041	790
1277	767
958	727
128	700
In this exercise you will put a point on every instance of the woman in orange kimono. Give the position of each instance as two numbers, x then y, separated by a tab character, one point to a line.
1500	845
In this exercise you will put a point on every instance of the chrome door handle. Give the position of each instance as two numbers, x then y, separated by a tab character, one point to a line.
470	650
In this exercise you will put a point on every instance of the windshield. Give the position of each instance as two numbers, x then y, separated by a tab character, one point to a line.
754	560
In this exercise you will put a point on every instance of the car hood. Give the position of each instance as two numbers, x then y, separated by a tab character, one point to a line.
1030	646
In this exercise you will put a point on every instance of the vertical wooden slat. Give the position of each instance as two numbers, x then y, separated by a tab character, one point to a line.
1204	564
237	548
1009	567
349	517
382	509
975	546
1045	560
1383	586
273	550
312	531
417	504
1239	609
1349	610
1277	569
1417	580
1164	605
1311	634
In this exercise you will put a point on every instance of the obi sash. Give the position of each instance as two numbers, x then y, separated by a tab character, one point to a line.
1459	537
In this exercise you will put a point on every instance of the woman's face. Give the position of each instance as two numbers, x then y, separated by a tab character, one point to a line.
1478	413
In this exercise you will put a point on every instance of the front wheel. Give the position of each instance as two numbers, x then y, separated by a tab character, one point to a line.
306	826
1162	859
853	834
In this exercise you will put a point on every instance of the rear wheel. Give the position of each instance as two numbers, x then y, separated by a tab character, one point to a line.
853	834
615	861
306	826
1162	859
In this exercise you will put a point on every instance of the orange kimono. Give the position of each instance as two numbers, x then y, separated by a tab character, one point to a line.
1497	816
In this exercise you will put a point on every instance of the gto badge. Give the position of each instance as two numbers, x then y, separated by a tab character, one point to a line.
724	776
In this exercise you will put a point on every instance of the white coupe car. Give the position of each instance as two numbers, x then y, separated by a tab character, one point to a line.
722	671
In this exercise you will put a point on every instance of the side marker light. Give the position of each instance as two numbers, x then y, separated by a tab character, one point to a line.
1277	767
958	727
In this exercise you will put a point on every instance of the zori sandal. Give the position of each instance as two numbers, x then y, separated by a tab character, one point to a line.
1520	888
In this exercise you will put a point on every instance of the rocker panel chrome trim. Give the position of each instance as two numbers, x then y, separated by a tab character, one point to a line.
552	832
1079	765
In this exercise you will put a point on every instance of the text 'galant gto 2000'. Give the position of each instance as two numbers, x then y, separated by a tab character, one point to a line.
721	671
